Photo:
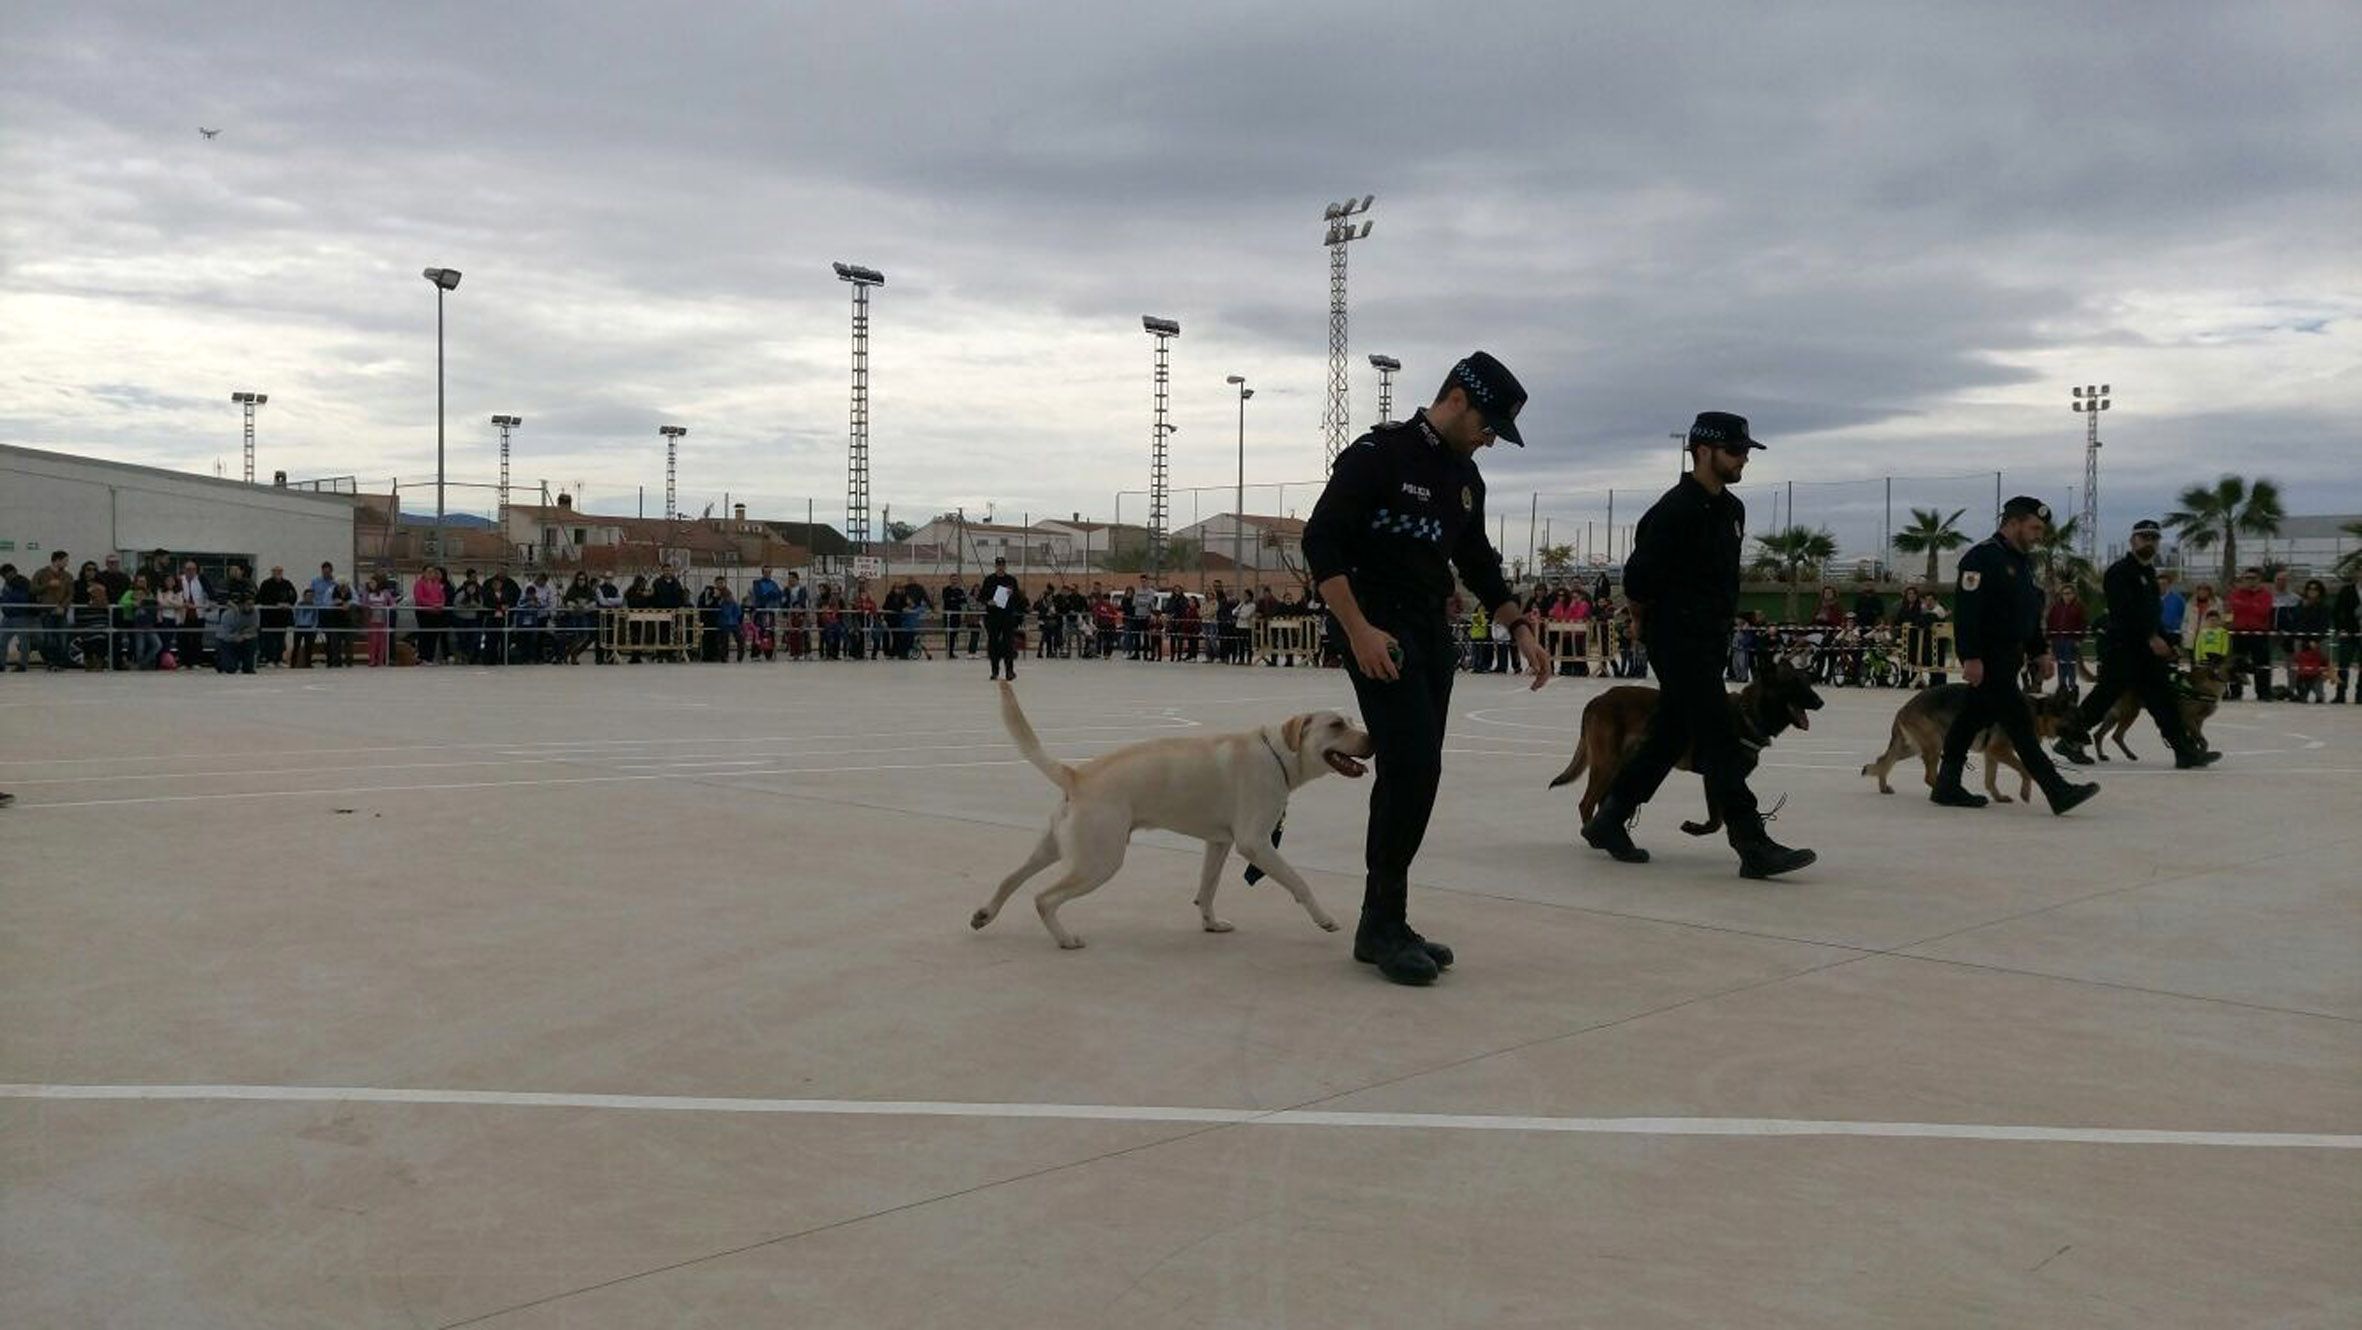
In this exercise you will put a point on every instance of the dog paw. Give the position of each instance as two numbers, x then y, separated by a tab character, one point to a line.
1327	925
1071	943
1219	925
980	919
2003	799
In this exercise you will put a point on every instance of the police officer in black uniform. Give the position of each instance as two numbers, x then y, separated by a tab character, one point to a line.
2135	656
1404	507
1996	628
1682	578
1001	618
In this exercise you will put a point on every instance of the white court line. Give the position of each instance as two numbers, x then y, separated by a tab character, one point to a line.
1744	1127
560	748
497	784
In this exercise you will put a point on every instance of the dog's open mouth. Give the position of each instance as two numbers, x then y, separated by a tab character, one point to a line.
1343	765
1802	717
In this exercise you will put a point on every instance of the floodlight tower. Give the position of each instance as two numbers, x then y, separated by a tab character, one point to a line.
250	401
446	280
857	464
1164	331
2089	402
1335	418
1387	367
1238	519
672	450
505	424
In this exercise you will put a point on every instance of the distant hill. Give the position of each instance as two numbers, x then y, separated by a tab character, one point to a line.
467	520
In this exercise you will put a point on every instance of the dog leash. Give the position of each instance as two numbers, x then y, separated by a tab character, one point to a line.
1254	874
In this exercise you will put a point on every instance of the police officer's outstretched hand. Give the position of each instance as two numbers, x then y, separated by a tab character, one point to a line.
1375	653
1973	671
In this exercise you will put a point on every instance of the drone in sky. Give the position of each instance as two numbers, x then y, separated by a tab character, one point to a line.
209	133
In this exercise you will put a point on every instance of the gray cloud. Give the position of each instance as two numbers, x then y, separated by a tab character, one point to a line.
1891	233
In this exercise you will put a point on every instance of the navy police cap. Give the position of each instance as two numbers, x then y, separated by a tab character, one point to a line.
1723	430
1493	391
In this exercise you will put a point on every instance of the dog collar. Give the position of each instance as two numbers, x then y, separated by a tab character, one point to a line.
1283	762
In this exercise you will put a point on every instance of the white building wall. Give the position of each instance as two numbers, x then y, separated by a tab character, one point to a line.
89	507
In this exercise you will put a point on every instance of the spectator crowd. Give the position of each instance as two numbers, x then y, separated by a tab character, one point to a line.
2276	638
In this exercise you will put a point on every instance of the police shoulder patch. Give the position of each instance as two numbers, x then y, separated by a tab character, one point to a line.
1968	581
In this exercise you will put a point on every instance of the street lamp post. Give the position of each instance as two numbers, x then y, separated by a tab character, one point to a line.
446	280
1238	519
504	424
250	401
2090	400
1387	367
857	460
1164	331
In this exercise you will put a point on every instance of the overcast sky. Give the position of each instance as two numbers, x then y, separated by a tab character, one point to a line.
1892	234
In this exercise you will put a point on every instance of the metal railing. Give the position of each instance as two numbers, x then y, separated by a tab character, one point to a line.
1905	656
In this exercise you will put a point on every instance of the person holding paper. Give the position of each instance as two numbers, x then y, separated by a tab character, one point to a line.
1004	607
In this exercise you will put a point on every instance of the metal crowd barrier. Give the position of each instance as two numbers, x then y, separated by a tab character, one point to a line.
1894	657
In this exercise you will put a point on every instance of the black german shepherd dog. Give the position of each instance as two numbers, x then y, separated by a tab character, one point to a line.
1780	697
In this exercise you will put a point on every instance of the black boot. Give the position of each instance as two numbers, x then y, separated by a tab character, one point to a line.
1606	831
1766	857
1400	954
1949	791
2072	750
2190	756
2064	796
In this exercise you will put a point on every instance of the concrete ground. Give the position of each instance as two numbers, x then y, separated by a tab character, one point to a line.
640	996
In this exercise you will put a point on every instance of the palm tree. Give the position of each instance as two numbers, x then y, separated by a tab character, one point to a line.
2228	509
2058	558
1931	533
1557	559
2350	564
1788	554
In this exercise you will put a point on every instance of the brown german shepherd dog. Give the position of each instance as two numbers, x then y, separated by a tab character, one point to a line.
2197	703
1920	727
1781	696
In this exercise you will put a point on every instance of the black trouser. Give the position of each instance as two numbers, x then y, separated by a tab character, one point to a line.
1693	717
2139	671
2254	652
1998	701
1000	640
1406	721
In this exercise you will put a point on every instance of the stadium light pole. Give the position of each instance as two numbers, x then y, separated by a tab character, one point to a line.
505	424
1387	367
250	401
1335	418
1164	331
673	435
2090	400
446	280
1238	519
857	459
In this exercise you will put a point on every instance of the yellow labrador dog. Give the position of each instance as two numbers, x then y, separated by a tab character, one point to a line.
1228	790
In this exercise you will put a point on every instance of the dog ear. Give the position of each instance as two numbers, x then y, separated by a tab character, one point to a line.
1292	733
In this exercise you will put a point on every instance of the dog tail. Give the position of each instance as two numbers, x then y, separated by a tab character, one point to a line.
1030	744
1573	768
